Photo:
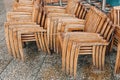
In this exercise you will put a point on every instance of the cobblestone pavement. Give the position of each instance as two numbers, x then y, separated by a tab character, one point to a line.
40	66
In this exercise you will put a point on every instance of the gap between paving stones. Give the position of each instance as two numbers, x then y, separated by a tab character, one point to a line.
6	67
40	67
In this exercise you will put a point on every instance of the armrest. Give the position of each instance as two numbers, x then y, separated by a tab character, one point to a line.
26	2
19	13
87	37
74	27
11	17
52	10
56	7
66	21
71	20
59	15
23	9
19	23
31	30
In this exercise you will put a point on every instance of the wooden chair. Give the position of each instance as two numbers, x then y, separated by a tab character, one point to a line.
114	15
97	34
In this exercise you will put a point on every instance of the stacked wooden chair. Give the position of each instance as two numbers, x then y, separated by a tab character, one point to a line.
53	19
22	27
93	39
115	17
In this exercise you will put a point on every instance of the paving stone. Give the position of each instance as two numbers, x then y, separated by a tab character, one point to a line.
18	70
50	72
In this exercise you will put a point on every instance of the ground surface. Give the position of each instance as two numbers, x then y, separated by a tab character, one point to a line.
40	66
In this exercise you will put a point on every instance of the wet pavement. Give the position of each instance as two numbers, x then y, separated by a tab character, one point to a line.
40	66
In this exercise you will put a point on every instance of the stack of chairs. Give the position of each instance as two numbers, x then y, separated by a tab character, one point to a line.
95	37
115	17
97	30
76	12
23	25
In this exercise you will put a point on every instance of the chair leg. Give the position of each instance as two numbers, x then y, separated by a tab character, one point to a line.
97	57
59	47
68	57
93	55
64	49
42	38
37	41
7	38
46	43
57	37
11	43
100	57
48	30
72	58
40	42
20	47
103	57
16	44
54	36
51	35
75	61
111	45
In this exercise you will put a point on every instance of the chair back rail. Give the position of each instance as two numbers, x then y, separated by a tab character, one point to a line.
98	22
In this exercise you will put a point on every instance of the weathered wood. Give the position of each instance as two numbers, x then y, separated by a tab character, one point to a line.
98	37
115	17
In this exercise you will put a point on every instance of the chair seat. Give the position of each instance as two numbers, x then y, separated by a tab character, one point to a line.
83	37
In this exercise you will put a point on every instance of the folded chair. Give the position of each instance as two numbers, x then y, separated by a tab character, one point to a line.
114	15
97	34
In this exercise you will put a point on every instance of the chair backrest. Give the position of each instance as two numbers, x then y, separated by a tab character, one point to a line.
115	15
35	13
94	19
71	5
41	19
98	22
106	30
80	11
